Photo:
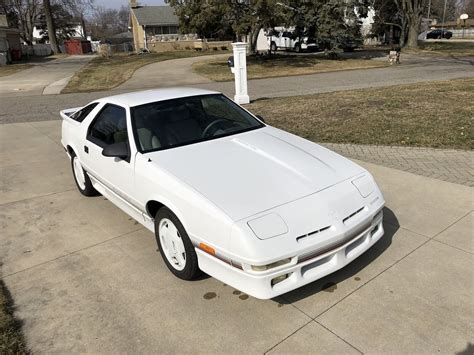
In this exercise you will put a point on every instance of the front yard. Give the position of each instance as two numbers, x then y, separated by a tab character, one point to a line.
435	114
283	65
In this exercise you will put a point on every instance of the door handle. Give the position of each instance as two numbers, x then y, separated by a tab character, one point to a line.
86	149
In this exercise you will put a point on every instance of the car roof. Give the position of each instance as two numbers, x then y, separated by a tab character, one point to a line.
147	96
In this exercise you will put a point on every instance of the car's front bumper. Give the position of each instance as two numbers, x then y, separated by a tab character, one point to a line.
299	273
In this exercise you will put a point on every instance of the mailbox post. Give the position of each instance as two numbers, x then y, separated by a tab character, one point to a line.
240	73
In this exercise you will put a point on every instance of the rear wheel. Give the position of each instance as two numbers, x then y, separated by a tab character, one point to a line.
298	48
83	182
273	47
175	246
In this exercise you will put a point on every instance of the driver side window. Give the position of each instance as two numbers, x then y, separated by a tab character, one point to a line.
109	127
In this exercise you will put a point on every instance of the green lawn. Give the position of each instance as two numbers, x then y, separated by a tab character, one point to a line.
434	114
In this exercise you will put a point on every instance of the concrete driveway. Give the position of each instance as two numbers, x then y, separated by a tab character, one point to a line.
175	72
45	78
86	278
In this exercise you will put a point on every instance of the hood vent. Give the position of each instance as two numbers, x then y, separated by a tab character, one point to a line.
298	239
352	215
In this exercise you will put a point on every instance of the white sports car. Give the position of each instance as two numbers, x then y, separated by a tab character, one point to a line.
258	208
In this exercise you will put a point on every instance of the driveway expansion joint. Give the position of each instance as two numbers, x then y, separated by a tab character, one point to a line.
3	277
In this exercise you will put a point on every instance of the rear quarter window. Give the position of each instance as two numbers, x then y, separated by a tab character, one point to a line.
80	115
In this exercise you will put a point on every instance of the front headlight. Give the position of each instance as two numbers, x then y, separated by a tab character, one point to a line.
271	266
364	184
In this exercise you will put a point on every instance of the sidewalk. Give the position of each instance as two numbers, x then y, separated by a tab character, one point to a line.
86	278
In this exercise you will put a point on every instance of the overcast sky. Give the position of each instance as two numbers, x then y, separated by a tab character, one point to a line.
117	3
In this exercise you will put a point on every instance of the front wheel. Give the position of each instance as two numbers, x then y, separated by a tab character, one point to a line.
298	48
273	47
175	246
83	182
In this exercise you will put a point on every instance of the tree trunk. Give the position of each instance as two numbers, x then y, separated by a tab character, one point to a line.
254	38
413	32
83	24
51	28
403	32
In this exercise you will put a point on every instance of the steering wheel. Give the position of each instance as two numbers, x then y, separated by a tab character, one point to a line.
212	124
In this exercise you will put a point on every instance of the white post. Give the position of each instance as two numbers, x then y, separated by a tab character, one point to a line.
240	68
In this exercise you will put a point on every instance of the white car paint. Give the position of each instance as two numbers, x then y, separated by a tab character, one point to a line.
257	198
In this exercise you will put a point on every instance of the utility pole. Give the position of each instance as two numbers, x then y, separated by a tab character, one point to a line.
429	22
442	25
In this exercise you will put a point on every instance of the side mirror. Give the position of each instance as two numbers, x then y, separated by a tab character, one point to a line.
117	150
260	118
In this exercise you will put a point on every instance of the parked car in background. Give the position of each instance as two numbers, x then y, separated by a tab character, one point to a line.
258	208
439	34
289	40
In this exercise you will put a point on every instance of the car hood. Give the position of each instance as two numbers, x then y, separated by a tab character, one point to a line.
251	172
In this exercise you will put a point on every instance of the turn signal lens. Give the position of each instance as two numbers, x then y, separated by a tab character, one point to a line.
270	266
207	249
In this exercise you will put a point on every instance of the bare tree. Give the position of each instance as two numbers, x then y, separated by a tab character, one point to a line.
51	27
79	8
412	9
27	12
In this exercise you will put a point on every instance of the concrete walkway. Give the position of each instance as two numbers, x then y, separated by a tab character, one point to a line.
177	72
86	278
47	78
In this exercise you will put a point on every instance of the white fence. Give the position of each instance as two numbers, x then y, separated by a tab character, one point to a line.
468	33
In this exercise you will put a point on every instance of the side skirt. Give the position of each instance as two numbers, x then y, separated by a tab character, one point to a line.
125	206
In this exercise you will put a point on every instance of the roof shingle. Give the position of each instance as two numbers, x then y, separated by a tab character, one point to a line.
155	15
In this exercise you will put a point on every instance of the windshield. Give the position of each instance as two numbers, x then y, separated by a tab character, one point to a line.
172	123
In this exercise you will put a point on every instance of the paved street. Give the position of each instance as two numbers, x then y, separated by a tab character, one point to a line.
87	278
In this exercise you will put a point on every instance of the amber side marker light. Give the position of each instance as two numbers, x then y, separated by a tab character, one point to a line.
207	249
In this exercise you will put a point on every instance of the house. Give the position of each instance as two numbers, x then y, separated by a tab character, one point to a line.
10	44
154	24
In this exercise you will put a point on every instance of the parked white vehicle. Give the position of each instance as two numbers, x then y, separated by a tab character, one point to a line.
258	208
288	40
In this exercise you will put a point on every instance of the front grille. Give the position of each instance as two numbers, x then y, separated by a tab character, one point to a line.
352	215
333	246
312	233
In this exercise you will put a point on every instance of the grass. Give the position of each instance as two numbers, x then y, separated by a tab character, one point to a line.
435	114
11	337
454	49
10	69
282	65
107	73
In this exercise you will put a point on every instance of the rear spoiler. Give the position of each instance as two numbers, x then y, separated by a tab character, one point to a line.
68	112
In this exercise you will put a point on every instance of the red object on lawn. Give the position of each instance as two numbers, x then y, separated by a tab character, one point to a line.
77	46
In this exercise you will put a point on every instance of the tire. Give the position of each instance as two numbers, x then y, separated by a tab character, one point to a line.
175	246
298	48
273	47
82	180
